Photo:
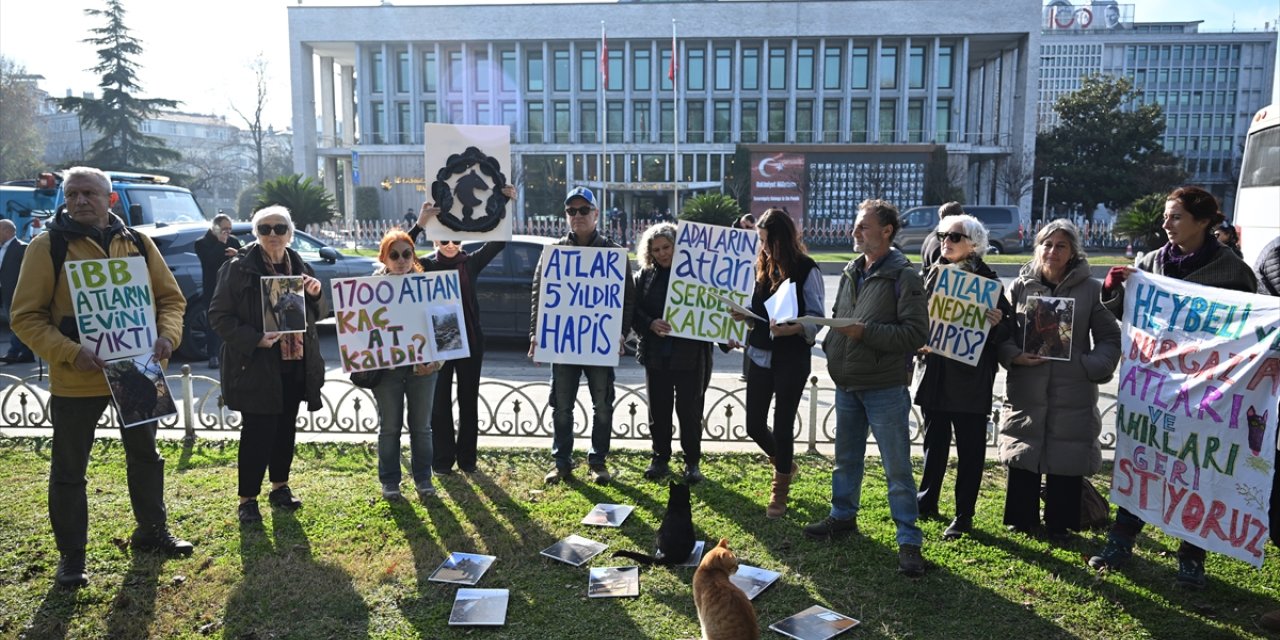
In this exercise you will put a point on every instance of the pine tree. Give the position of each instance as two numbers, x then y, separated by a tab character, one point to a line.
118	114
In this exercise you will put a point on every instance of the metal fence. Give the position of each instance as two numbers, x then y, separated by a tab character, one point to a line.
506	410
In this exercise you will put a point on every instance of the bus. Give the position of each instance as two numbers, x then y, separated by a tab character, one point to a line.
1257	212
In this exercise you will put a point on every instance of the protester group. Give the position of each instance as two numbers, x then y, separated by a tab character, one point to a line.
879	338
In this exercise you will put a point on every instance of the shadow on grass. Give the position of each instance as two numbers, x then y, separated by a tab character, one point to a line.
54	615
134	606
424	610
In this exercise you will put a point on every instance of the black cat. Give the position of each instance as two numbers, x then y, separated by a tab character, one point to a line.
675	535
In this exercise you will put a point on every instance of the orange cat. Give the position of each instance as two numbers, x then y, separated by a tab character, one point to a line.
724	611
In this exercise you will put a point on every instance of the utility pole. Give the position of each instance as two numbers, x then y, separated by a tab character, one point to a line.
1044	206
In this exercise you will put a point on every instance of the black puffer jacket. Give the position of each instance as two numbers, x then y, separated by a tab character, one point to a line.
671	353
1268	269
251	378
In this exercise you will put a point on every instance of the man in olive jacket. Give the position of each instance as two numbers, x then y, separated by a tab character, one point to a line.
44	318
870	363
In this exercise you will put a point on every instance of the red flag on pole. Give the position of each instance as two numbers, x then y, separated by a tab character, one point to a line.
671	71
604	59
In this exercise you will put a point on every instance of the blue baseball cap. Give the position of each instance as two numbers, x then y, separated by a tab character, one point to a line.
581	192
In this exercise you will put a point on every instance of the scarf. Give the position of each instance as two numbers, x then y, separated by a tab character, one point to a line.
290	343
1176	264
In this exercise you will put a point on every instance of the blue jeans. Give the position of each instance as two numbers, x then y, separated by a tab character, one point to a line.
396	385
885	411
564	390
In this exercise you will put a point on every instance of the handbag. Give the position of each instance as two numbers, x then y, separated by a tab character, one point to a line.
1095	512
367	379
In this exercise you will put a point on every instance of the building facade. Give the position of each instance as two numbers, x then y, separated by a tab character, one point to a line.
869	95
1210	84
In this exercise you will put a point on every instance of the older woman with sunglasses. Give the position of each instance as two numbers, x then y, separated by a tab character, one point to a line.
413	385
448	447
266	375
956	395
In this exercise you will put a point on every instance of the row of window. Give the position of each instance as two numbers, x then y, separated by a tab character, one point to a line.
1197	143
755	69
1182	53
1185	76
649	167
1189	98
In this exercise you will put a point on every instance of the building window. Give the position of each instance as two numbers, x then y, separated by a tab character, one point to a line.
511	119
402	72
777	69
666	121
777	121
831	68
724	69
455	71
915	120
483	113
751	69
535	125
376	125
831	121
533	66
750	121
804	121
641	125
804	68
614	120
589	121
916	70
588	65
642	69
888	70
696	121
664	65
615	70
721	121
455	113
482	71
858	121
697	70
861	69
561	78
376	79
430	112
942	122
404	123
888	121
429	73
510	71
560	121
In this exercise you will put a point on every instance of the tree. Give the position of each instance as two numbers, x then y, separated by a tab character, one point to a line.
1014	177
20	143
1104	150
711	208
939	181
1143	222
118	114
257	134
307	202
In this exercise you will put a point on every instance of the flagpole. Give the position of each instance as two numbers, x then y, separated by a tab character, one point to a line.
675	82
604	123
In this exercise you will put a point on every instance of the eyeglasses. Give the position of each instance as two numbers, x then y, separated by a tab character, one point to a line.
578	211
444	242
281	229
953	236
404	255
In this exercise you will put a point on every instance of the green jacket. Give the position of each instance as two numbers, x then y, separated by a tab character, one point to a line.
891	304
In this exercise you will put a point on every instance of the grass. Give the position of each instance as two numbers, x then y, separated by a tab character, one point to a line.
351	565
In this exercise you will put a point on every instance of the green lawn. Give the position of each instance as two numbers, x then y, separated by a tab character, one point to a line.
351	565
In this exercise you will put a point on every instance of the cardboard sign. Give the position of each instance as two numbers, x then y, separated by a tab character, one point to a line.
390	321
958	305
1196	412
468	160
710	262
114	306
580	305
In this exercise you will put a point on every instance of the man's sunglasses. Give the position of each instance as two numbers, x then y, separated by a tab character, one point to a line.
280	229
953	236
444	242
578	211
403	255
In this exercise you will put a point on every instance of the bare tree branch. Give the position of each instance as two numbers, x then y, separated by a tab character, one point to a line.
256	131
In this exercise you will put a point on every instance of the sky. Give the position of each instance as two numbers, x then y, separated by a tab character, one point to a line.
200	52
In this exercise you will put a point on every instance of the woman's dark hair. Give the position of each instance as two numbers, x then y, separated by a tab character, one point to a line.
1233	237
784	248
1200	204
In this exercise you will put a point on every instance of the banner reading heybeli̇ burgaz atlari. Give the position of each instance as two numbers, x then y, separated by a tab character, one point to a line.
958	305
710	259
384	322
580	299
114	307
1196	412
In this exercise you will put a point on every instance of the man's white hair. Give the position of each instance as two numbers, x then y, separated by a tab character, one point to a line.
92	173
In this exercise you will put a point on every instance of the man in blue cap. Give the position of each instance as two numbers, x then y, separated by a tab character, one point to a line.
582	214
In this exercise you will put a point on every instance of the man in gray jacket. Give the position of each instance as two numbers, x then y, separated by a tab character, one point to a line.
870	363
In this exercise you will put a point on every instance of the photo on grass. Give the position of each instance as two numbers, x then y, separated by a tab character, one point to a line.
575	550
462	568
695	557
479	608
814	623
1047	332
753	580
139	390
614	582
284	307
608	515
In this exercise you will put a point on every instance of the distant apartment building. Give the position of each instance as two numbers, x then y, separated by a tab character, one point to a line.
833	101
1209	84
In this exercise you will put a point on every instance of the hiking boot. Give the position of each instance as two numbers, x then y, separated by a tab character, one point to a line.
692	475
284	499
831	527
158	538
1190	573
442	471
598	474
958	527
556	474
426	489
928	514
248	512
391	491
71	573
657	470
910	562
1117	552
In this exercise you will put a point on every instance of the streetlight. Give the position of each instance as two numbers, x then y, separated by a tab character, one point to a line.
1044	206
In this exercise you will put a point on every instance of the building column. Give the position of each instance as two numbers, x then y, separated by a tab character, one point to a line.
327	116
347	87
302	74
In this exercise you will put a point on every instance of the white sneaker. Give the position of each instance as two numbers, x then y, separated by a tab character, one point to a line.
391	491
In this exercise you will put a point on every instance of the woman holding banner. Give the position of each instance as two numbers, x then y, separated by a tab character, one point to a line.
266	375
676	370
1192	254
780	352
957	395
1050	422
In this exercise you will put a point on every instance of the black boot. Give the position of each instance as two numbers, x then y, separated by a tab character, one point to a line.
71	573
158	538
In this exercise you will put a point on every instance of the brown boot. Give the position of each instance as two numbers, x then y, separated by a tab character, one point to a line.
781	490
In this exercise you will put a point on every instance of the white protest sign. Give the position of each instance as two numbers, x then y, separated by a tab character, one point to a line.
114	307
466	168
958	305
711	263
580	305
386	321
1196	412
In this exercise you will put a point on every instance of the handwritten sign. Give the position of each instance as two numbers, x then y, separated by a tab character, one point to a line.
114	307
387	321
710	261
580	305
471	180
1196	412
958	305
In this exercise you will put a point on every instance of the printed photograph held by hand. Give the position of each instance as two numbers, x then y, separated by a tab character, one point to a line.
139	391
284	307
449	331
1048	327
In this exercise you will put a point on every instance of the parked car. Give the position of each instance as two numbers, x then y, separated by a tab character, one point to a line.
504	288
176	243
1004	226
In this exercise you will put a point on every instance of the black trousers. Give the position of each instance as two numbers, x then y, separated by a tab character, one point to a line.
971	453
267	439
682	391
445	450
74	421
1061	501
783	384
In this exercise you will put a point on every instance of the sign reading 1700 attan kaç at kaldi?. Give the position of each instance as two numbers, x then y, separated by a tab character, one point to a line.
114	307
708	260
580	299
1196	412
391	321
